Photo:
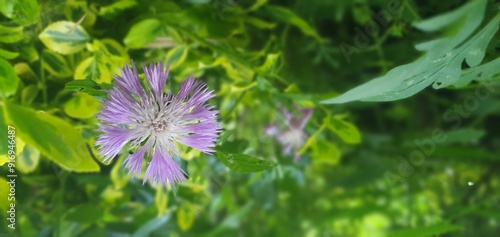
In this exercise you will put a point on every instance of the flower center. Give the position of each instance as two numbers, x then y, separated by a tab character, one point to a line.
159	126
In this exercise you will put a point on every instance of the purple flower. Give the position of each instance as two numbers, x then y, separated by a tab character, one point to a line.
292	137
151	121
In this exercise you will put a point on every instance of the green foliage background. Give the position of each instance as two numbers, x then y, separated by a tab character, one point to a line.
423	164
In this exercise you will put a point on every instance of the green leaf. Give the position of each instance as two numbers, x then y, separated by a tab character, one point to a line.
464	135
11	34
102	66
88	86
288	16
27	158
75	9
55	64
432	230
4	143
23	12
64	37
55	138
142	33
176	56
114	9
81	106
345	130
325	152
4	194
29	94
161	200
242	163
8	79
186	215
440	66
8	54
85	213
439	22
485	72
151	226
119	175
273	64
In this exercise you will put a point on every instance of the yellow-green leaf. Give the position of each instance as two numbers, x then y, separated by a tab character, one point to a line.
176	56
185	216
161	200
23	12
8	54
345	130
4	195
91	69
115	8
119	175
142	33
288	16
273	63
64	37
325	152
8	79
55	138
81	106
27	157
74	10
103	65
11	34
29	94
55	64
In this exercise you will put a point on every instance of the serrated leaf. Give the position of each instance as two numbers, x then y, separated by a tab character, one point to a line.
57	139
8	79
81	106
11	34
64	37
441	66
485	72
446	19
242	163
142	33
55	64
176	56
23	12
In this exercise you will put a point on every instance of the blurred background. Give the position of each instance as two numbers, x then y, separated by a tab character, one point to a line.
421	166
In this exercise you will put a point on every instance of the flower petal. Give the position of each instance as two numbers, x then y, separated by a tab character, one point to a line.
163	169
129	81
157	77
112	140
